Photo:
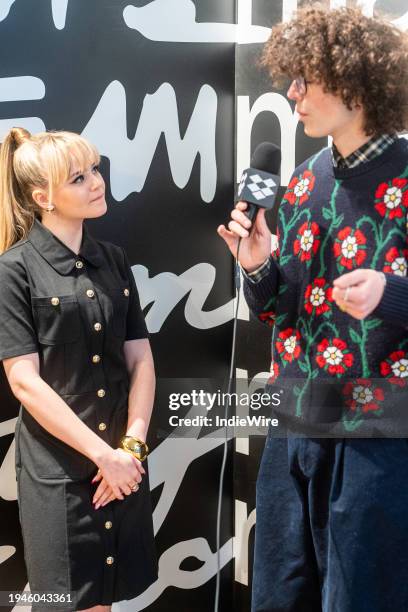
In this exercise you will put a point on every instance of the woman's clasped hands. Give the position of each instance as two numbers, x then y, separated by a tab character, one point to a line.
119	474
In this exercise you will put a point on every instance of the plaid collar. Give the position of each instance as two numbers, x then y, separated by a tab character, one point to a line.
375	146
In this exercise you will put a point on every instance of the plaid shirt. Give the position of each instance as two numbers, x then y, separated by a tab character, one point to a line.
375	146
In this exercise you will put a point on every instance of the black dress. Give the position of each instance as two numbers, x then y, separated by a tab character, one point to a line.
76	311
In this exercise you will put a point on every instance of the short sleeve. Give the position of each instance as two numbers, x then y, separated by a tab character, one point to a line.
135	324
17	330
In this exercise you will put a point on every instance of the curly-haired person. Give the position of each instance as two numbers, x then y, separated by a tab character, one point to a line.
332	521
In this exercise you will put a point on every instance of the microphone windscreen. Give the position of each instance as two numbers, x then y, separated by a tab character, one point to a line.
267	157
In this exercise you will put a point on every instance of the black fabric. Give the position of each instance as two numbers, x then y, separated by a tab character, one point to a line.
54	480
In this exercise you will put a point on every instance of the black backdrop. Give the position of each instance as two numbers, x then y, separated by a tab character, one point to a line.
84	51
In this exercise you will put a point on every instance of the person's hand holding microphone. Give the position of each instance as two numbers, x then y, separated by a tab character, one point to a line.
256	243
257	192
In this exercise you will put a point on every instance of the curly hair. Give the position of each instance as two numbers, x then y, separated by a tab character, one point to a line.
361	59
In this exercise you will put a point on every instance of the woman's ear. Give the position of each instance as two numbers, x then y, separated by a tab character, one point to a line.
40	197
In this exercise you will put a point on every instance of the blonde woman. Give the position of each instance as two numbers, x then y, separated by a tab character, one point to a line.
76	354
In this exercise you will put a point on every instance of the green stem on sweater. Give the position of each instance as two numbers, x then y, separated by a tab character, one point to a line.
310	342
328	236
364	360
381	244
287	227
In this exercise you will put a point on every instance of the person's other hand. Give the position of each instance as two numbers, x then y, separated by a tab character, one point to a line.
359	292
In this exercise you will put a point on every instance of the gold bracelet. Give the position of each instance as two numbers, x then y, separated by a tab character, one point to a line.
135	447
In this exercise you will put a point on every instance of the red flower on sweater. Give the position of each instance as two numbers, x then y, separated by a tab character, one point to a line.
300	188
392	198
267	317
275	247
307	241
361	393
395	368
396	261
333	356
318	296
274	373
288	345
349	248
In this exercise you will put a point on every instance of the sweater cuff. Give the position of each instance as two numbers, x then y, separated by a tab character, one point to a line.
393	306
264	288
258	274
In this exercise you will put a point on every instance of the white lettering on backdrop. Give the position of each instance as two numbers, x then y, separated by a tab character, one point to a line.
166	290
175	21
130	159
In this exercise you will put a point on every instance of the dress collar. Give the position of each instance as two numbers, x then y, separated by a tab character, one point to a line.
57	254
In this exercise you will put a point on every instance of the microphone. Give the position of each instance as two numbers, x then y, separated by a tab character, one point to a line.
260	182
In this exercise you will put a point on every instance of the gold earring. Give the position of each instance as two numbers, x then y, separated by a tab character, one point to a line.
49	209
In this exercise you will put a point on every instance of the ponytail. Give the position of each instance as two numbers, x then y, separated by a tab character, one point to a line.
27	162
16	215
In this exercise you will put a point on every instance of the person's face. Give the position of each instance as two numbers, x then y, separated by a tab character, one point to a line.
323	114
82	196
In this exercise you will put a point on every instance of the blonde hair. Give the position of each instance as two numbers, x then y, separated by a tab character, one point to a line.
43	161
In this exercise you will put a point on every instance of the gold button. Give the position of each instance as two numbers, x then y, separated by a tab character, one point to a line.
79	264
90	293
101	392
96	358
108	525
109	560
55	301
97	326
102	426
126	292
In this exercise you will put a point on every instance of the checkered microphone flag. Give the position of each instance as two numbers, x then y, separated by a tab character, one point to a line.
259	183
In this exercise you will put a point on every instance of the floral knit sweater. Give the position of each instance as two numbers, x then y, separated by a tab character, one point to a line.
335	369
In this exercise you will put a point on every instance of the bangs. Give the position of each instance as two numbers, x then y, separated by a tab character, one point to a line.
82	154
64	153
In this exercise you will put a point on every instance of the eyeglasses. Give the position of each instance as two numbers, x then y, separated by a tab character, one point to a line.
301	85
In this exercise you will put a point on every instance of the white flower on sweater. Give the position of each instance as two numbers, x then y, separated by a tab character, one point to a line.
349	247
399	266
362	395
302	187
318	296
393	197
333	355
290	344
306	241
400	368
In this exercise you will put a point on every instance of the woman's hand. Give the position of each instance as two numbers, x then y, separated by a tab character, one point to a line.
255	245
118	472
359	292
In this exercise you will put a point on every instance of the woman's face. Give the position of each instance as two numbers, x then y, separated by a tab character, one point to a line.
82	196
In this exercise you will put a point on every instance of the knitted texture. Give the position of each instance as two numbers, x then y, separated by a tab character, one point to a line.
332	221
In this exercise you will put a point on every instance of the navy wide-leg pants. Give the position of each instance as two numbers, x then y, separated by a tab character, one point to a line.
332	526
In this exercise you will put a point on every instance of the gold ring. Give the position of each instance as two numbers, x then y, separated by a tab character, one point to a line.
134	488
343	308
